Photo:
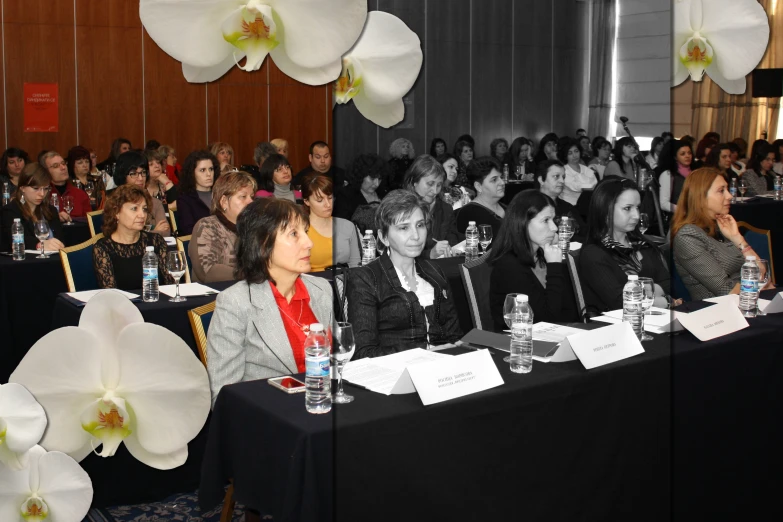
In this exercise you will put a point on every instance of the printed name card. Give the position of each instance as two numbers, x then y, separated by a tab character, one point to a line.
775	306
605	345
714	321
456	376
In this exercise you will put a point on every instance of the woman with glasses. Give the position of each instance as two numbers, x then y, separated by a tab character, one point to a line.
194	201
276	177
30	204
132	169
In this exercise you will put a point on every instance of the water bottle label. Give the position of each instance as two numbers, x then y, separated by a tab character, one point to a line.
748	285
317	366
733	191
18	238
150	273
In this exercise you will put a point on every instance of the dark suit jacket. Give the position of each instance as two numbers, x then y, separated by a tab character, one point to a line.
14	210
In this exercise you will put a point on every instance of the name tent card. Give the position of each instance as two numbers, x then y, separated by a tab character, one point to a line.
714	321
457	376
605	345
775	306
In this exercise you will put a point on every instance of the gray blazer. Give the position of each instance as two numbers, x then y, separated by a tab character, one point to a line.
708	267
246	338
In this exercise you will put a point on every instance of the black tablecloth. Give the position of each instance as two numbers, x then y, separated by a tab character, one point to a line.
28	290
515	187
766	214
77	233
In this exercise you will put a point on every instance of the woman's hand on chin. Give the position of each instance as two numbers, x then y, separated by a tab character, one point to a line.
728	227
441	249
552	253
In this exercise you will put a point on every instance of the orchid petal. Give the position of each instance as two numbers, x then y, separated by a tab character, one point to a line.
682	29
390	57
382	115
64	486
168	409
189	30
738	31
696	55
107	420
63	372
22	424
14	490
195	74
307	75
252	30
154	460
730	86
317	35
695	15
681	73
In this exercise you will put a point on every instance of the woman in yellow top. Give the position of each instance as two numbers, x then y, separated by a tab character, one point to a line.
335	240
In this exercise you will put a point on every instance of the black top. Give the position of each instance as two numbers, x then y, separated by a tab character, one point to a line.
481	215
442	227
190	208
554	304
335	173
603	280
119	266
564	208
12	211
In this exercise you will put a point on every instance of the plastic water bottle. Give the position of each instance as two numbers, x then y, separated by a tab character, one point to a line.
632	304
778	186
6	194
471	241
521	360
17	240
318	392
149	284
749	287
368	247
733	188
505	172
56	201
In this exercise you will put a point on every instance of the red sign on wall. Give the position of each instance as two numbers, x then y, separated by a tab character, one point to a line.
40	107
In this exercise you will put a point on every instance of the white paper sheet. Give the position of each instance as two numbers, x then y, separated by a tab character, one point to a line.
553	333
733	299
662	322
187	290
48	252
171	241
380	374
86	295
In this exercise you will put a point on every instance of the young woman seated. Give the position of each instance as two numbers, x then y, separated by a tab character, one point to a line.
194	200
276	177
30	204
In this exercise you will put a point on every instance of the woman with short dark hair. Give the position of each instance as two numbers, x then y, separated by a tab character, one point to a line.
11	164
498	149
260	324
400	301
118	254
547	148
578	177
118	146
132	168
438	147
194	200
602	151
485	209
366	176
275	174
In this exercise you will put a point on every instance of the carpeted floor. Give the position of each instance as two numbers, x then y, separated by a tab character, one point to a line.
182	508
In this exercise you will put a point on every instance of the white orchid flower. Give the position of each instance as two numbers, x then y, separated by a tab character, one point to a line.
22	423
380	69
52	487
305	38
114	379
724	38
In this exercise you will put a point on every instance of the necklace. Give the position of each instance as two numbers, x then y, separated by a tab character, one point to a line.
304	327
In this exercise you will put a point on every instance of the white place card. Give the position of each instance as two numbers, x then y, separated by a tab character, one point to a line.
387	374
85	295
457	376
714	321
775	306
605	345
657	320
733	299
187	290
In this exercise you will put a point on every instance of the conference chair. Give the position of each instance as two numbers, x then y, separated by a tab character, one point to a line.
182	245
173	218
475	278
576	282
95	222
760	241
78	267
652	191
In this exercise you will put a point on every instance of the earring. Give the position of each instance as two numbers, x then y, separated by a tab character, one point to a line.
22	199
224	209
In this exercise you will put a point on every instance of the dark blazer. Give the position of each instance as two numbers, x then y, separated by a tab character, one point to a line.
335	173
386	319
14	210
554	304
190	209
481	215
442	226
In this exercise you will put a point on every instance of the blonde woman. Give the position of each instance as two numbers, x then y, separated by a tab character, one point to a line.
224	153
401	156
281	145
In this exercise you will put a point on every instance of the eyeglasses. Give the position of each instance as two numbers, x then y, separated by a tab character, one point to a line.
138	174
57	165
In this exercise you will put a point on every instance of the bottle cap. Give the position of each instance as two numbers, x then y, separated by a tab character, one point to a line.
750	258
521	298
150	249
633	277
16	220
316	327
471	222
368	231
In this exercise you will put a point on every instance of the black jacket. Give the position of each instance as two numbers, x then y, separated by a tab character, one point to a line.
386	319
13	210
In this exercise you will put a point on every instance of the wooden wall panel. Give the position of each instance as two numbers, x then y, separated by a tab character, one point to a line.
39	48
109	74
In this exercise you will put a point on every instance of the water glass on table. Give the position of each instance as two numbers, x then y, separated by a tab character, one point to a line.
485	236
644	222
176	265
68	207
42	232
343	346
565	231
743	187
648	297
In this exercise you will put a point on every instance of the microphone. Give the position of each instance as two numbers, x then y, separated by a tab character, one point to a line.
623	119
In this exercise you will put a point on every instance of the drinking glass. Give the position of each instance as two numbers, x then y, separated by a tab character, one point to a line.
89	188
565	231
763	265
68	207
648	297
644	222
176	264
508	307
42	233
343	346
485	236
743	187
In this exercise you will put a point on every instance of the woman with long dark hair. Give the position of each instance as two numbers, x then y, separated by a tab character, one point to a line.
759	175
194	200
30	204
675	166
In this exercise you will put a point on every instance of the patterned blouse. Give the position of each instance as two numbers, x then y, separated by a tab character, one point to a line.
212	251
118	265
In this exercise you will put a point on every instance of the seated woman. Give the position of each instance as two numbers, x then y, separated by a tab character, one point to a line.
366	176
401	156
158	183
132	168
194	201
547	148
615	250
675	166
117	255
602	150
624	164
452	192
709	250
79	171
30	204
425	179
400	301
654	155
498	148
224	154
578	177
260	324
759	175
521	167
275	175
326	230
172	168
486	209
437	147
526	259
11	164
211	247
281	145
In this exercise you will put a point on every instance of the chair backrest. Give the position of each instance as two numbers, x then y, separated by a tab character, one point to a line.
475	278
679	290
199	321
95	222
173	219
576	282
182	245
78	266
760	241
652	190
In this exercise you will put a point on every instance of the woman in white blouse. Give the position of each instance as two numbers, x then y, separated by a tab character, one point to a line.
578	177
675	162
